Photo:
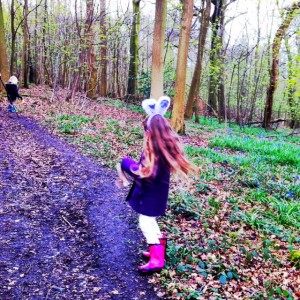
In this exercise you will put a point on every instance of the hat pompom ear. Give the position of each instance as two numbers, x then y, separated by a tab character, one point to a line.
149	106
163	104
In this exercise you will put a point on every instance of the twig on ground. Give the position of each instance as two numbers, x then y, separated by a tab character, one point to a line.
67	222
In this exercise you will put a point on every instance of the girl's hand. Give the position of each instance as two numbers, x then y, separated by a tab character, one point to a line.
122	181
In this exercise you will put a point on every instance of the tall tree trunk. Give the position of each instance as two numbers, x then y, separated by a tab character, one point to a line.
257	68
177	121
13	37
192	102
221	59
103	49
134	48
35	42
25	45
44	68
92	80
291	87
4	70
157	78
213	58
275	61
238	99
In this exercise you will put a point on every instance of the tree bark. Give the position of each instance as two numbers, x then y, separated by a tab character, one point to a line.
157	77
177	120
134	48
44	68
192	102
221	58
25	46
13	37
103	49
4	70
213	58
257	68
275	61
92	73
291	87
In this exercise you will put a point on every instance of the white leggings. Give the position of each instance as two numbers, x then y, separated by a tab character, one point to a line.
150	229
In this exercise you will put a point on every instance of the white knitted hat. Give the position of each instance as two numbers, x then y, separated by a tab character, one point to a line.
13	80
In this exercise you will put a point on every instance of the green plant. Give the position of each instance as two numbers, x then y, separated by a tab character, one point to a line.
185	205
68	124
294	257
287	213
214	204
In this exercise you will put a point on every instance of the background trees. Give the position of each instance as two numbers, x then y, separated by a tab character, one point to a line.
280	33
121	48
3	52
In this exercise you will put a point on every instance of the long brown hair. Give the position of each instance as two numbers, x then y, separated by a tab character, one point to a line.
161	141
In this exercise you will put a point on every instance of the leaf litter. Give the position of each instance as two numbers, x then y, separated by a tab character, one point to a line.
211	254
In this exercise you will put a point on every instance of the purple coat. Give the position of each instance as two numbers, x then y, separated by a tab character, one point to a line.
148	196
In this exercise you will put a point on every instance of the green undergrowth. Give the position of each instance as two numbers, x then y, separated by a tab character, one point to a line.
238	214
258	174
106	139
68	124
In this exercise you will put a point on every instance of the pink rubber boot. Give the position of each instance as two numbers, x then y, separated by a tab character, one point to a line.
163	241
157	259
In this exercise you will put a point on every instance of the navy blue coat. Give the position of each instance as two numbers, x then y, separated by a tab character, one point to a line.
148	196
12	92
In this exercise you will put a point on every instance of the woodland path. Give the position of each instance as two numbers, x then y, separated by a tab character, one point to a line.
65	231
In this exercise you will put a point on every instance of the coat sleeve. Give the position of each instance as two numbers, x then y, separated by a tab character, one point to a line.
128	165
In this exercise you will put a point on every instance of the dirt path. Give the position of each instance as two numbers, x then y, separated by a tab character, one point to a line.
65	232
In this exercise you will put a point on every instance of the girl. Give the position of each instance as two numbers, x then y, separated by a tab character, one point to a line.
148	196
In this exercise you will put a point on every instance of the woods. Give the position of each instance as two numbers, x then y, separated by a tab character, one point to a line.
129	53
232	71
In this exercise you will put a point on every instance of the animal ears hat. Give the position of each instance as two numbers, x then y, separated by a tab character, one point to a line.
153	107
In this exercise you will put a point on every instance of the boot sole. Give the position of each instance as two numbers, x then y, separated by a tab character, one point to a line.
149	271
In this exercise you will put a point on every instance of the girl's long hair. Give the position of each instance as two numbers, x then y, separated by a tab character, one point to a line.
162	142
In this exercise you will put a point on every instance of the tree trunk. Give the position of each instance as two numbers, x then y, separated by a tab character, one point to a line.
213	58
192	103
257	68
103	49
177	121
13	37
4	70
25	46
275	61
44	69
291	87
134	48
92	83
92	72
35	60
157	78
221	60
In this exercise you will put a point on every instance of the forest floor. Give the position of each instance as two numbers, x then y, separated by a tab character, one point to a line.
66	232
